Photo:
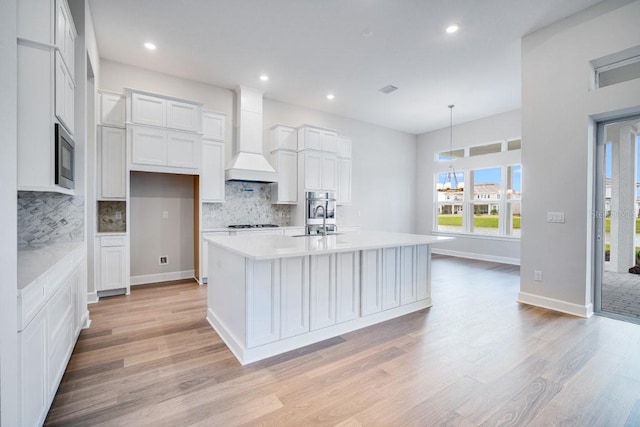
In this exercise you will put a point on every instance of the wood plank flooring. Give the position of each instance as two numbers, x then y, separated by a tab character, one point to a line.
476	358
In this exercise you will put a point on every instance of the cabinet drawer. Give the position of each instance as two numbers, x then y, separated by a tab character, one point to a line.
106	241
58	314
30	300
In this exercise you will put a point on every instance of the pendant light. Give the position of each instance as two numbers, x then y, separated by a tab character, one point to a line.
450	182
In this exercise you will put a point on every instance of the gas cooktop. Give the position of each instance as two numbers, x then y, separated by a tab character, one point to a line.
253	226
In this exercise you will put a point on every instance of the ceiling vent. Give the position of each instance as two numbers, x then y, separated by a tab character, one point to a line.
388	89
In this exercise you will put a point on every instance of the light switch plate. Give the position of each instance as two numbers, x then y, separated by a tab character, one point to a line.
555	217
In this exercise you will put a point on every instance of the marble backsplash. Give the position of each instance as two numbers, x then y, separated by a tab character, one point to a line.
112	217
246	203
49	217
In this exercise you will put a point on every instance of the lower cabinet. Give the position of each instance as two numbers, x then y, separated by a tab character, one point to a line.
46	340
347	286
390	278
112	268
33	371
263	302
294	293
323	291
371	281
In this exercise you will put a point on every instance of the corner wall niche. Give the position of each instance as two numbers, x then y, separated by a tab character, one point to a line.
112	216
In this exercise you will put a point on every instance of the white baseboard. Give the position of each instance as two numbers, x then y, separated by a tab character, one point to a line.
480	257
92	297
162	277
585	311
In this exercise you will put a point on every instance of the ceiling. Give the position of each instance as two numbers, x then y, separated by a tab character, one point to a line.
310	48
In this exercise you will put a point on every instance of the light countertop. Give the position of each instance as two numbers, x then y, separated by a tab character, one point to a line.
36	259
262	246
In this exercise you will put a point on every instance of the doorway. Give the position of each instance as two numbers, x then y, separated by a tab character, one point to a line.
617	221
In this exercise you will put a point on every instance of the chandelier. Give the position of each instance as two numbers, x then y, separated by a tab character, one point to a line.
450	182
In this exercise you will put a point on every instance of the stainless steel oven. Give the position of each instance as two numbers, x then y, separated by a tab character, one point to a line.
65	160
320	212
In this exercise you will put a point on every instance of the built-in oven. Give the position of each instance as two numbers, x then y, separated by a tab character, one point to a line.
65	160
320	212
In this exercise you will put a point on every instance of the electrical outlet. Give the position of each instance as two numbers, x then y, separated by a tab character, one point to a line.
165	214
537	276
118	215
163	260
556	217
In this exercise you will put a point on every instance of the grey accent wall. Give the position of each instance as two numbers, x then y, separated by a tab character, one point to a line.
559	113
152	235
49	217
245	203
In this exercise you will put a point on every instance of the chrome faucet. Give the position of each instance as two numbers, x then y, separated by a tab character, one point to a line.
324	218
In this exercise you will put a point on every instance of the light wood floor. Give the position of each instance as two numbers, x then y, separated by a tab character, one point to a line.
475	358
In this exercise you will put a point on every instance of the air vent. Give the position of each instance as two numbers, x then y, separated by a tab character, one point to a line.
388	89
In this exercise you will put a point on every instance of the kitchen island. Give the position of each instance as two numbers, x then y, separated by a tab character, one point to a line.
269	294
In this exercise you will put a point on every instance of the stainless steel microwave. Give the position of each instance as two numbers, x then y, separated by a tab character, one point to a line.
65	160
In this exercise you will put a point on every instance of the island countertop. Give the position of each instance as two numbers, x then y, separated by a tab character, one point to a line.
261	247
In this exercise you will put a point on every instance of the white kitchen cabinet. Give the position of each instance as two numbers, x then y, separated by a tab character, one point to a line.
204	265
285	191
344	171
33	371
112	167
112	268
322	284
36	21
390	278
284	138
112	109
371	281
65	33
183	150
347	286
263	302
59	332
183	116
148	110
423	273
408	275
212	172
64	94
315	138
148	146
320	170
294	290
213	125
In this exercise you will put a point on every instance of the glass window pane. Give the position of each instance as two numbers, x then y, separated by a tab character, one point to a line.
450	155
485	149
513	218
485	218
514	145
514	182
449	201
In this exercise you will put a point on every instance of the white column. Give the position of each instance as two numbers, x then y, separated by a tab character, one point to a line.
623	198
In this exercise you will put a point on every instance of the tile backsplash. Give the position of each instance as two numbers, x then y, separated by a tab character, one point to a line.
245	203
49	217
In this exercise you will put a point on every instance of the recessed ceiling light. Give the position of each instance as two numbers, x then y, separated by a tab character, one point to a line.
452	28
150	46
264	77
330	96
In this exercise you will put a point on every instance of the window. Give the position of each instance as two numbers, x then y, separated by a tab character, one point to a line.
618	72
487	201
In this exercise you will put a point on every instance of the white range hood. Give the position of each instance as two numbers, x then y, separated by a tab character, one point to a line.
248	163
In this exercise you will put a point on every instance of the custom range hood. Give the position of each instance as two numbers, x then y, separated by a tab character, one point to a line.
248	163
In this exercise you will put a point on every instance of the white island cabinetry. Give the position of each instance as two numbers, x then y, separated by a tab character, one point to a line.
268	294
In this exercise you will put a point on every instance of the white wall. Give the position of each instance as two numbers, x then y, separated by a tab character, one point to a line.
490	129
8	216
384	167
151	234
558	114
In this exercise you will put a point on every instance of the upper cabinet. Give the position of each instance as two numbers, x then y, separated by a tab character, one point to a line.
213	125
163	133
284	143
112	171
65	33
344	171
46	89
153	110
111	109
314	138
